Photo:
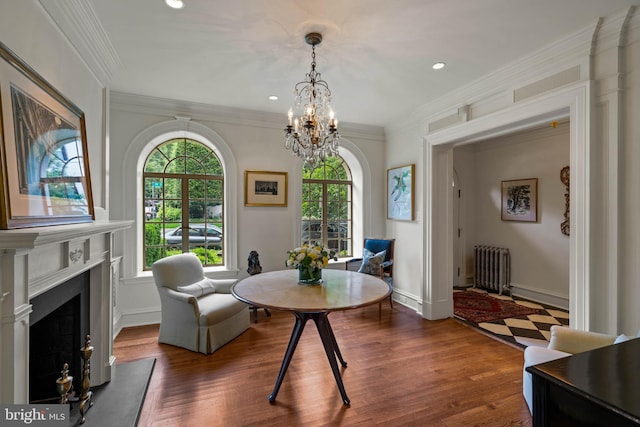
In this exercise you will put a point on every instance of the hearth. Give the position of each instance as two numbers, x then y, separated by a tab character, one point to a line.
59	321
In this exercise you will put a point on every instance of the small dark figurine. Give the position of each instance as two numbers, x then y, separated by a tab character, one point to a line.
255	268
254	263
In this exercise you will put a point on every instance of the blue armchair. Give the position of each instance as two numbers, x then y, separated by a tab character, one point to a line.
370	264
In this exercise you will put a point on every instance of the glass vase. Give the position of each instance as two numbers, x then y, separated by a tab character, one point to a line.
309	275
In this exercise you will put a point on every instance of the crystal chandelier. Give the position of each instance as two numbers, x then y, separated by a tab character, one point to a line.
312	131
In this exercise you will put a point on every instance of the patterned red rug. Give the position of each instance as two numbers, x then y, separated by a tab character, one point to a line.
477	307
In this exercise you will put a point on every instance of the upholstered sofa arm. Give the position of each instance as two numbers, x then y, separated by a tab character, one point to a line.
223	286
574	341
533	356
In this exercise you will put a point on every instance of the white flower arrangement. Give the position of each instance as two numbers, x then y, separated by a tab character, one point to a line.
309	257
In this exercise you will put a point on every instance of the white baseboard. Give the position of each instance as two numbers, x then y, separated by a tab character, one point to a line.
543	297
136	318
408	300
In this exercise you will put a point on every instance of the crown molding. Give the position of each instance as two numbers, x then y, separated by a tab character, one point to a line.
170	108
614	30
79	23
558	55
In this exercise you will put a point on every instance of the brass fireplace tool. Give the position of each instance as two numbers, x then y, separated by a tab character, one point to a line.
64	384
86	399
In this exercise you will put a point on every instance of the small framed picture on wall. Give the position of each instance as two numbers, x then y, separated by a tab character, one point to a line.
520	200
262	188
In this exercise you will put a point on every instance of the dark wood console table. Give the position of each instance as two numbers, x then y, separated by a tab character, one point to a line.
595	388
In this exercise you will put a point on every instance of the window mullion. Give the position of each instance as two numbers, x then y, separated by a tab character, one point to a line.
185	210
325	234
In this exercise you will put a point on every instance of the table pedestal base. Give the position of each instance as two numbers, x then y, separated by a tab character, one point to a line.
330	347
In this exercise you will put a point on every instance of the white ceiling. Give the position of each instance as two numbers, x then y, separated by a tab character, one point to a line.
376	54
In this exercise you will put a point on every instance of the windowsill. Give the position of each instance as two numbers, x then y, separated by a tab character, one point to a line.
211	272
337	265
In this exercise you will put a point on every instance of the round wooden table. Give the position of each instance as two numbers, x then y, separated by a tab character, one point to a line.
340	290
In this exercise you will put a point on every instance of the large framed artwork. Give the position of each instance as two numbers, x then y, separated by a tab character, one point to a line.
400	193
262	188
43	151
520	200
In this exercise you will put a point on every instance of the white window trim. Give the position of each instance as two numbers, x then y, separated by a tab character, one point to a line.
136	155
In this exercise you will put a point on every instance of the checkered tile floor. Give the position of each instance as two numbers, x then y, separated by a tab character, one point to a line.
529	330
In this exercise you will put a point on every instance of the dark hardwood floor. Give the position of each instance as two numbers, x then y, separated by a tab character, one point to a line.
402	370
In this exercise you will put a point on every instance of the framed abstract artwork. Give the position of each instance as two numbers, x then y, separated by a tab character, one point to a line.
400	192
520	200
263	188
44	160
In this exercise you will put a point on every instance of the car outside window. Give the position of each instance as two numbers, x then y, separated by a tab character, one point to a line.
183	190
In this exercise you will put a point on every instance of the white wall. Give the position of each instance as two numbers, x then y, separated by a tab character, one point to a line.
403	148
539	251
628	158
255	141
600	67
29	32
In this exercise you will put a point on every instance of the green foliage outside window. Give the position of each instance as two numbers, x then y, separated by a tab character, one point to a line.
183	185
326	205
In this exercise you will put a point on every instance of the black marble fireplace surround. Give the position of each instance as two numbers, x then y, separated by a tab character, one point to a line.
58	324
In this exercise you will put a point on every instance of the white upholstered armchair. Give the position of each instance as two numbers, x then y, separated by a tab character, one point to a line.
198	313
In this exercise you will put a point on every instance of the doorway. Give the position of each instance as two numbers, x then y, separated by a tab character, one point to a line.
438	202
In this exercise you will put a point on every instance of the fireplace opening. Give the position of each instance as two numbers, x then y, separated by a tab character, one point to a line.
58	324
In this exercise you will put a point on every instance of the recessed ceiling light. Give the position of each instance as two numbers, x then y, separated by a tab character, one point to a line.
438	65
175	4
273	97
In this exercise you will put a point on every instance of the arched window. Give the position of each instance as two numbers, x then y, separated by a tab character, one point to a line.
183	182
327	208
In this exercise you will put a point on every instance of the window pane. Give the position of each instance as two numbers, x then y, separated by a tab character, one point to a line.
169	148
153	243
196	150
196	205
212	165
214	190
193	166
172	188
176	166
333	192
213	201
171	211
156	162
173	234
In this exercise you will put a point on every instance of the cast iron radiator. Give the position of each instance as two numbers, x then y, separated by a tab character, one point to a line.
492	268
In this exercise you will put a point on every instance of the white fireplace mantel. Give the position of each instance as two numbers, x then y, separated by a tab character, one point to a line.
35	260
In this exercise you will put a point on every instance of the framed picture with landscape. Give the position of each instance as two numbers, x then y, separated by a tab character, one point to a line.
262	188
44	161
520	200
400	193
